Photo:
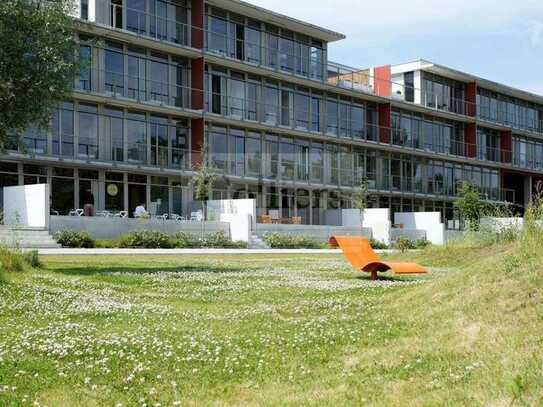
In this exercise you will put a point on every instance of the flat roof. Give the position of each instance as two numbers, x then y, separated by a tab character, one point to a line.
260	13
455	74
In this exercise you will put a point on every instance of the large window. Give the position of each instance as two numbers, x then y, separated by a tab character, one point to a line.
113	119
63	130
513	112
137	139
88	131
255	42
114	68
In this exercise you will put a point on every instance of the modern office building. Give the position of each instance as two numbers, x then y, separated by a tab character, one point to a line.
170	84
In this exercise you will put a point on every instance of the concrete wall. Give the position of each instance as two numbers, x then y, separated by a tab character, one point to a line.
244	207
378	221
320	233
240	226
112	228
430	222
27	205
411	234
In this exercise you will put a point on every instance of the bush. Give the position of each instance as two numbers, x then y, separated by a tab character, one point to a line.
146	239
185	240
222	240
377	245
279	241
75	239
402	243
214	240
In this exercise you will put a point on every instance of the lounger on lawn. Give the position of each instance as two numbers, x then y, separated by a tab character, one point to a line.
362	257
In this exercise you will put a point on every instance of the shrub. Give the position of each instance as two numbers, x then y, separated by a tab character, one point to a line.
422	243
185	240
74	238
377	245
402	243
214	240
146	239
280	241
222	240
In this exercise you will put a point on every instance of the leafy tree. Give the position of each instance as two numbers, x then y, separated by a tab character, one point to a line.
37	62
469	205
202	182
361	198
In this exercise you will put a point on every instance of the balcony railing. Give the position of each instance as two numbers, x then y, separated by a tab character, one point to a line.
149	25
133	87
363	81
510	119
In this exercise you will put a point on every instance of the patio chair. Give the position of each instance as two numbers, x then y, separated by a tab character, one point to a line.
362	257
76	212
177	218
266	219
296	220
196	216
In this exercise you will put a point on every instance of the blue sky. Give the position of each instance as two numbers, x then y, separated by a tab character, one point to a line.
500	40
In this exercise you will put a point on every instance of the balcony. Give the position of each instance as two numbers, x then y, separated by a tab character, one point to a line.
157	27
141	90
364	82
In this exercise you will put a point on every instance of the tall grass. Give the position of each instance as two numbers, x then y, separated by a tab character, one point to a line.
16	261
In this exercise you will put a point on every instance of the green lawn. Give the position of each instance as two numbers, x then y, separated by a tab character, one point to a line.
272	330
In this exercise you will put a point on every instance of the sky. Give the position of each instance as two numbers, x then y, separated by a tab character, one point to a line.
499	40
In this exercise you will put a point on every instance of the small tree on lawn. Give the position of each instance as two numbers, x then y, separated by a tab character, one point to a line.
202	182
361	198
469	205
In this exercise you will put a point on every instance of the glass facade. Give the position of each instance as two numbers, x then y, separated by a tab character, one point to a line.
499	108
255	42
134	73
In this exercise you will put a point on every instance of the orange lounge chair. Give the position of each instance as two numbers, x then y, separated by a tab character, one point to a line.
362	257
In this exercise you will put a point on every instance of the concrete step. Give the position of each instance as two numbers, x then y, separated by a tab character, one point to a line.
26	238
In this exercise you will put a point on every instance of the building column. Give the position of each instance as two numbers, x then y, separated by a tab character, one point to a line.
197	142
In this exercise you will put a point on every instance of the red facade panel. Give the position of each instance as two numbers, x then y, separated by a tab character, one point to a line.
471	99
197	82
382	80
384	122
197	24
506	146
197	142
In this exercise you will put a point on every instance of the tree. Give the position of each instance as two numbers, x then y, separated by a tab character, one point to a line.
202	182
37	62
469	205
361	198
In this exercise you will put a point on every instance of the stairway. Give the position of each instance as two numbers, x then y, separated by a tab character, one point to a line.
26	238
257	243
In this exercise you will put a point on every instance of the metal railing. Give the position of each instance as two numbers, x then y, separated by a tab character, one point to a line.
363	81
149	25
510	119
133	87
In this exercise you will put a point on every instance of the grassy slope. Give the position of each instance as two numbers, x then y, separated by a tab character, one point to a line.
471	334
